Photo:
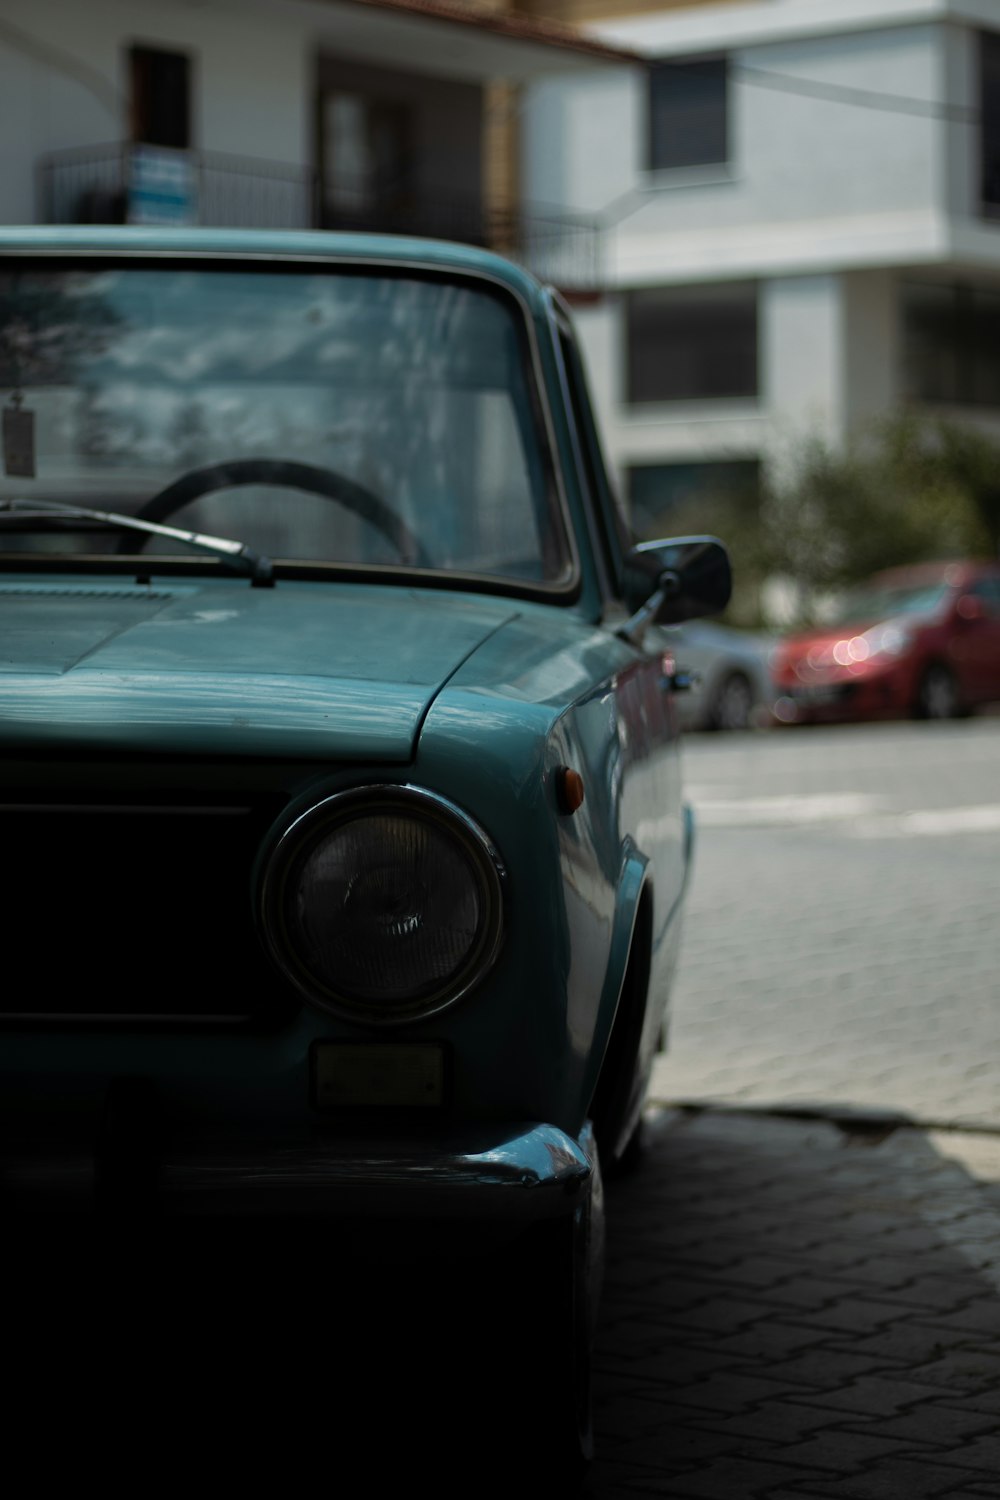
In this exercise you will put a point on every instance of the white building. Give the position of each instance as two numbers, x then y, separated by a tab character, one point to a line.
802	210
362	114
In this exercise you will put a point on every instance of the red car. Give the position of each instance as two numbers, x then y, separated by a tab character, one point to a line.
920	641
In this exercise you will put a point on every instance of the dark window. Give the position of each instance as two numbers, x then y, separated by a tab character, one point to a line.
688	113
692	343
161	97
367	150
687	499
951	343
989	103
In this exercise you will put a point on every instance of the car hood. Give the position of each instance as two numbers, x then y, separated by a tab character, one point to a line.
307	670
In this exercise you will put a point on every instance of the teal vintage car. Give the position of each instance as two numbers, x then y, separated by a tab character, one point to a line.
345	848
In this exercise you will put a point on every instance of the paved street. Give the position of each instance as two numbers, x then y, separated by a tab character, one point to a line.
842	944
803	1292
796	1310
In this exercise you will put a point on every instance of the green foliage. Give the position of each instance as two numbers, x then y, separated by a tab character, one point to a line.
908	490
720	498
734	517
957	462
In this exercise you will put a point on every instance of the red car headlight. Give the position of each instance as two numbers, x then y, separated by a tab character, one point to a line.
887	640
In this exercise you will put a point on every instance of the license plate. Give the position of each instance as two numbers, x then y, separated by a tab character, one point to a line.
379	1074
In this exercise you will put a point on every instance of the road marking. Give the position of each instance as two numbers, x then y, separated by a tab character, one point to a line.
860	815
931	822
822	807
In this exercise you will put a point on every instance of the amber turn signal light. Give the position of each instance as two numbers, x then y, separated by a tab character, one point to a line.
569	789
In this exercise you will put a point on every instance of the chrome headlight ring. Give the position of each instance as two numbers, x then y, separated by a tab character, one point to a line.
382	904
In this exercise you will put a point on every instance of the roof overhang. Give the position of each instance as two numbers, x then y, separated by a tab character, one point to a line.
444	39
686	30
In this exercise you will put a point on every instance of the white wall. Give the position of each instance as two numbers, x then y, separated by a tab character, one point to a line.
803	157
811	181
959	163
802	334
578	140
872	370
63	82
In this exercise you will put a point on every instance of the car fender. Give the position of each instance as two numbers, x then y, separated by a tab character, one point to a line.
614	1085
635	999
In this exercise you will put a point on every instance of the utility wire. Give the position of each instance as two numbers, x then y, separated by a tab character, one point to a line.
64	62
835	93
613	213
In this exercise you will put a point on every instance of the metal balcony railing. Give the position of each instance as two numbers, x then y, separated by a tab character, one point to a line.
126	184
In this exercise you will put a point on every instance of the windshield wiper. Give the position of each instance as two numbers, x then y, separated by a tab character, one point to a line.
237	554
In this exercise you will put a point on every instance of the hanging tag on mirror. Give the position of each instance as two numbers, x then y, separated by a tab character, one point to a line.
19	442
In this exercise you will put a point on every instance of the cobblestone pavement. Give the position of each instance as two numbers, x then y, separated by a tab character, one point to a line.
842	942
799	1309
803	1290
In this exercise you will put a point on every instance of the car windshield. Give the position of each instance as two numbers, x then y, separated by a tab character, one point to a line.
866	605
353	416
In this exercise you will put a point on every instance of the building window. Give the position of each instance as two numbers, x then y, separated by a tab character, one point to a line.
718	497
366	153
160	97
695	343
688	114
989	110
951	343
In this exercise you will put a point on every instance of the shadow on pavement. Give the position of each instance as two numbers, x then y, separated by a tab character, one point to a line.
791	1309
796	1308
259	1358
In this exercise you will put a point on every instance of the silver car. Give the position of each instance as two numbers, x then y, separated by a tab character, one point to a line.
732	687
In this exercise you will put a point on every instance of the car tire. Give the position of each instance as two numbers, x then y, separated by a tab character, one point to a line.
937	693
634	1153
732	704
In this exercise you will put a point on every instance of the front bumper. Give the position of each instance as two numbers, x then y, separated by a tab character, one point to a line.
875	695
498	1179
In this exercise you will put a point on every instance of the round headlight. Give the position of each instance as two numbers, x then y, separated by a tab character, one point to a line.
383	904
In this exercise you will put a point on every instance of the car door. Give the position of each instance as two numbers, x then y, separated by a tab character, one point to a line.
652	799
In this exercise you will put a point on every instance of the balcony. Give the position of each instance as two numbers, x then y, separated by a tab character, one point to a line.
128	184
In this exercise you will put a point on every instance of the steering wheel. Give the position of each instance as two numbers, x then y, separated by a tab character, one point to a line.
316	481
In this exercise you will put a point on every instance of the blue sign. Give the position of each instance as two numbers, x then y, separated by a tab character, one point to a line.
162	187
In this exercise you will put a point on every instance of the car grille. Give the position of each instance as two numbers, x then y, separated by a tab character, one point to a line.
121	913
